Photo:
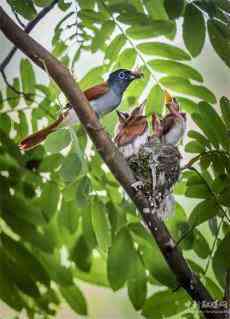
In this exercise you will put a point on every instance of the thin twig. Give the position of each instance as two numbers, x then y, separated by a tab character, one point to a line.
27	96
18	19
28	29
197	158
211	191
130	41
213	246
227	293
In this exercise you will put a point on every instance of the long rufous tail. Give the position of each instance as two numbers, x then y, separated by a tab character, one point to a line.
39	136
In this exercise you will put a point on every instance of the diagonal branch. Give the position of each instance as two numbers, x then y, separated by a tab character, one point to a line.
111	156
227	295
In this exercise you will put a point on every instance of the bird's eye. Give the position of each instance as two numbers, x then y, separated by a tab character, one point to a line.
122	75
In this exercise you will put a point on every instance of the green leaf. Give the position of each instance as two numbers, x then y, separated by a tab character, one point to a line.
181	85
8	291
194	147
22	127
223	4
193	29
82	254
82	191
157	28
164	50
24	8
219	42
57	141
165	304
23	209
221	261
5	123
93	77
120	259
68	216
56	270
115	47
212	287
178	226
204	211
92	16
63	5
71	167
209	115
175	68
49	200
19	276
59	49
187	105
75	299
101	225
206	127
200	245
28	78
198	137
127	58
42	3
19	254
198	191
224	197
174	8
87	226
29	233
155	102
51	163
225	109
137	284
102	35
156	9
132	17
12	96
86	5
152	257
1	101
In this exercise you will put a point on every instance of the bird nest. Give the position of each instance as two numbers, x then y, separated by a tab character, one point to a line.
157	167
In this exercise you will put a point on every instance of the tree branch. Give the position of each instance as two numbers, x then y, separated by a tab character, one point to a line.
111	156
227	294
27	29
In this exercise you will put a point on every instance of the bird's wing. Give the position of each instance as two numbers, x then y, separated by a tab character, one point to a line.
96	91
167	123
128	134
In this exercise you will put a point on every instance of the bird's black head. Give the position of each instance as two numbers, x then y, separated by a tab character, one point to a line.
120	79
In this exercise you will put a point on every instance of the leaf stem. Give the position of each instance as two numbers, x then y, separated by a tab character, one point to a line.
211	191
213	245
131	42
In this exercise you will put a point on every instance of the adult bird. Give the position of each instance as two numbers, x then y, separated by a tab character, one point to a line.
103	98
172	127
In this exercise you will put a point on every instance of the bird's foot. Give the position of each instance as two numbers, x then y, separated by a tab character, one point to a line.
137	186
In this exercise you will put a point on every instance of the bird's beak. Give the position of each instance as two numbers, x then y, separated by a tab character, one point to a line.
122	116
142	106
168	98
136	74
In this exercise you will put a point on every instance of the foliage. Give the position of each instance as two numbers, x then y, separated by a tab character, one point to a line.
55	204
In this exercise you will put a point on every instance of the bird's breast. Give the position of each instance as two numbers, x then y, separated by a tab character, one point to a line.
133	147
106	103
175	133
